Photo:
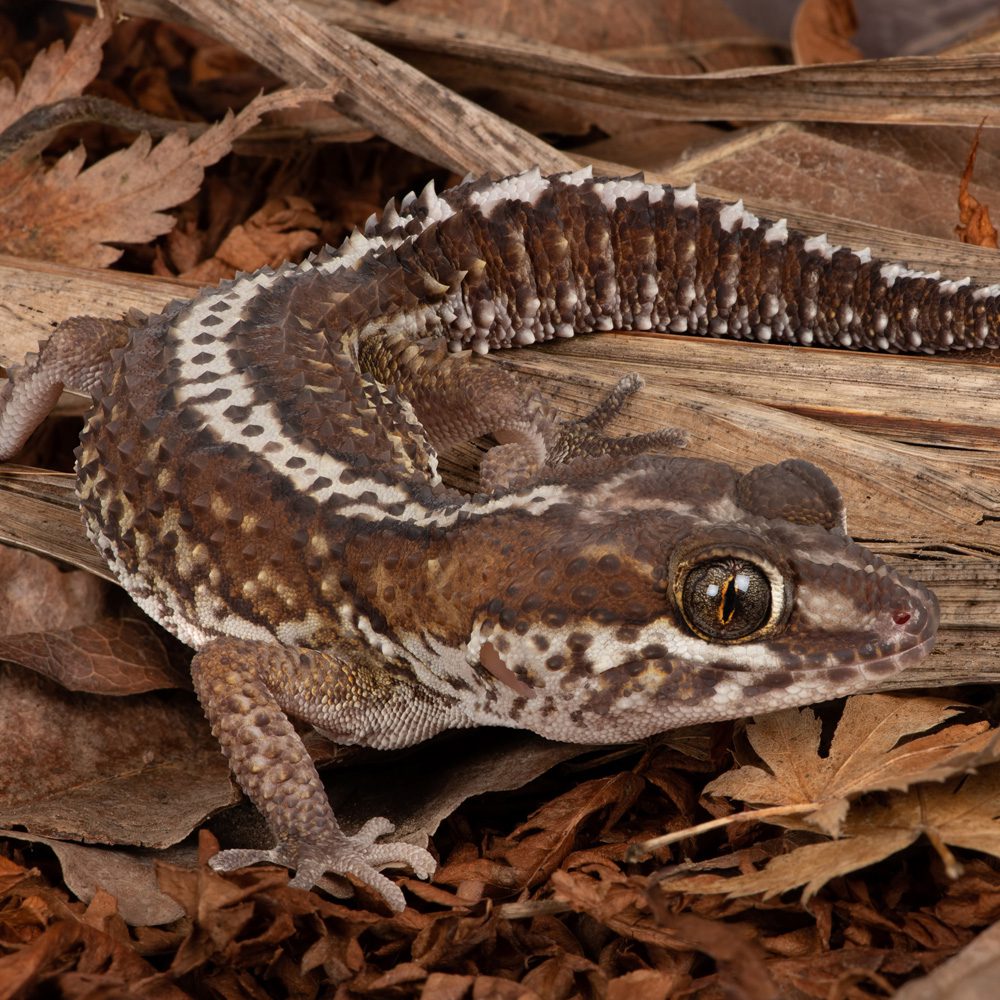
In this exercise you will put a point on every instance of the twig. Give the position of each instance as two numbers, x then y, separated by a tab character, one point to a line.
40	121
388	95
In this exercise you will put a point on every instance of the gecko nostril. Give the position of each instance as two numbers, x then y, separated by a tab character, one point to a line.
901	617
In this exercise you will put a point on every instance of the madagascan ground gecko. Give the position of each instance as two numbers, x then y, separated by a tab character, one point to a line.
259	470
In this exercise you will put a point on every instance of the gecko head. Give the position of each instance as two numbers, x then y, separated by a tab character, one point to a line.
683	592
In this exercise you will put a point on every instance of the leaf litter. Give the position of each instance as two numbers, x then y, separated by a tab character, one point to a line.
887	815
869	753
68	211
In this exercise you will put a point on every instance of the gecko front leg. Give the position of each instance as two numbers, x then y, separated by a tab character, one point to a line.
245	687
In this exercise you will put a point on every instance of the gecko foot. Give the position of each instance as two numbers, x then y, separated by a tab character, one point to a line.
568	449
582	438
359	856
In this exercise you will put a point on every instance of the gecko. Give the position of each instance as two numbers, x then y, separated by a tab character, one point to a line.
259	470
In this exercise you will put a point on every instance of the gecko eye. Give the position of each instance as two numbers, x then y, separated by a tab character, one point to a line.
729	587
725	599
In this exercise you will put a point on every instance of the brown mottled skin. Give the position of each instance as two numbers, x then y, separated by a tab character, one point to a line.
259	471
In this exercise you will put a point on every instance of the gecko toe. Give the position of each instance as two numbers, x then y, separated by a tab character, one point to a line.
358	856
398	853
377	826
583	438
228	861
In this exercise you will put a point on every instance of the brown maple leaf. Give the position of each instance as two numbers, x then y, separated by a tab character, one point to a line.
57	72
871	750
71	214
876	747
68	212
963	812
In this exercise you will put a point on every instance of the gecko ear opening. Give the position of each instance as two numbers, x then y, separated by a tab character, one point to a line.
795	491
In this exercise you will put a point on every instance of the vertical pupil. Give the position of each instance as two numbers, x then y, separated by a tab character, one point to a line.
729	599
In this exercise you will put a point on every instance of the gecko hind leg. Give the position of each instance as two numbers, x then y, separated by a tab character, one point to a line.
74	357
547	448
582	438
457	399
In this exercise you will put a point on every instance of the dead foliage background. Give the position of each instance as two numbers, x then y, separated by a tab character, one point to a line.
845	851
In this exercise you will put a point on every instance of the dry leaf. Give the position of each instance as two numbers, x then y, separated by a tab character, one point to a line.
649	34
246	921
974	219
36	596
25	972
143	770
127	875
283	229
539	845
68	213
970	975
57	72
821	31
894	178
56	624
867	753
605	895
961	813
643	984
681	37
420	791
111	656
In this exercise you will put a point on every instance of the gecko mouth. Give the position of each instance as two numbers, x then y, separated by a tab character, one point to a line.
880	669
894	662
